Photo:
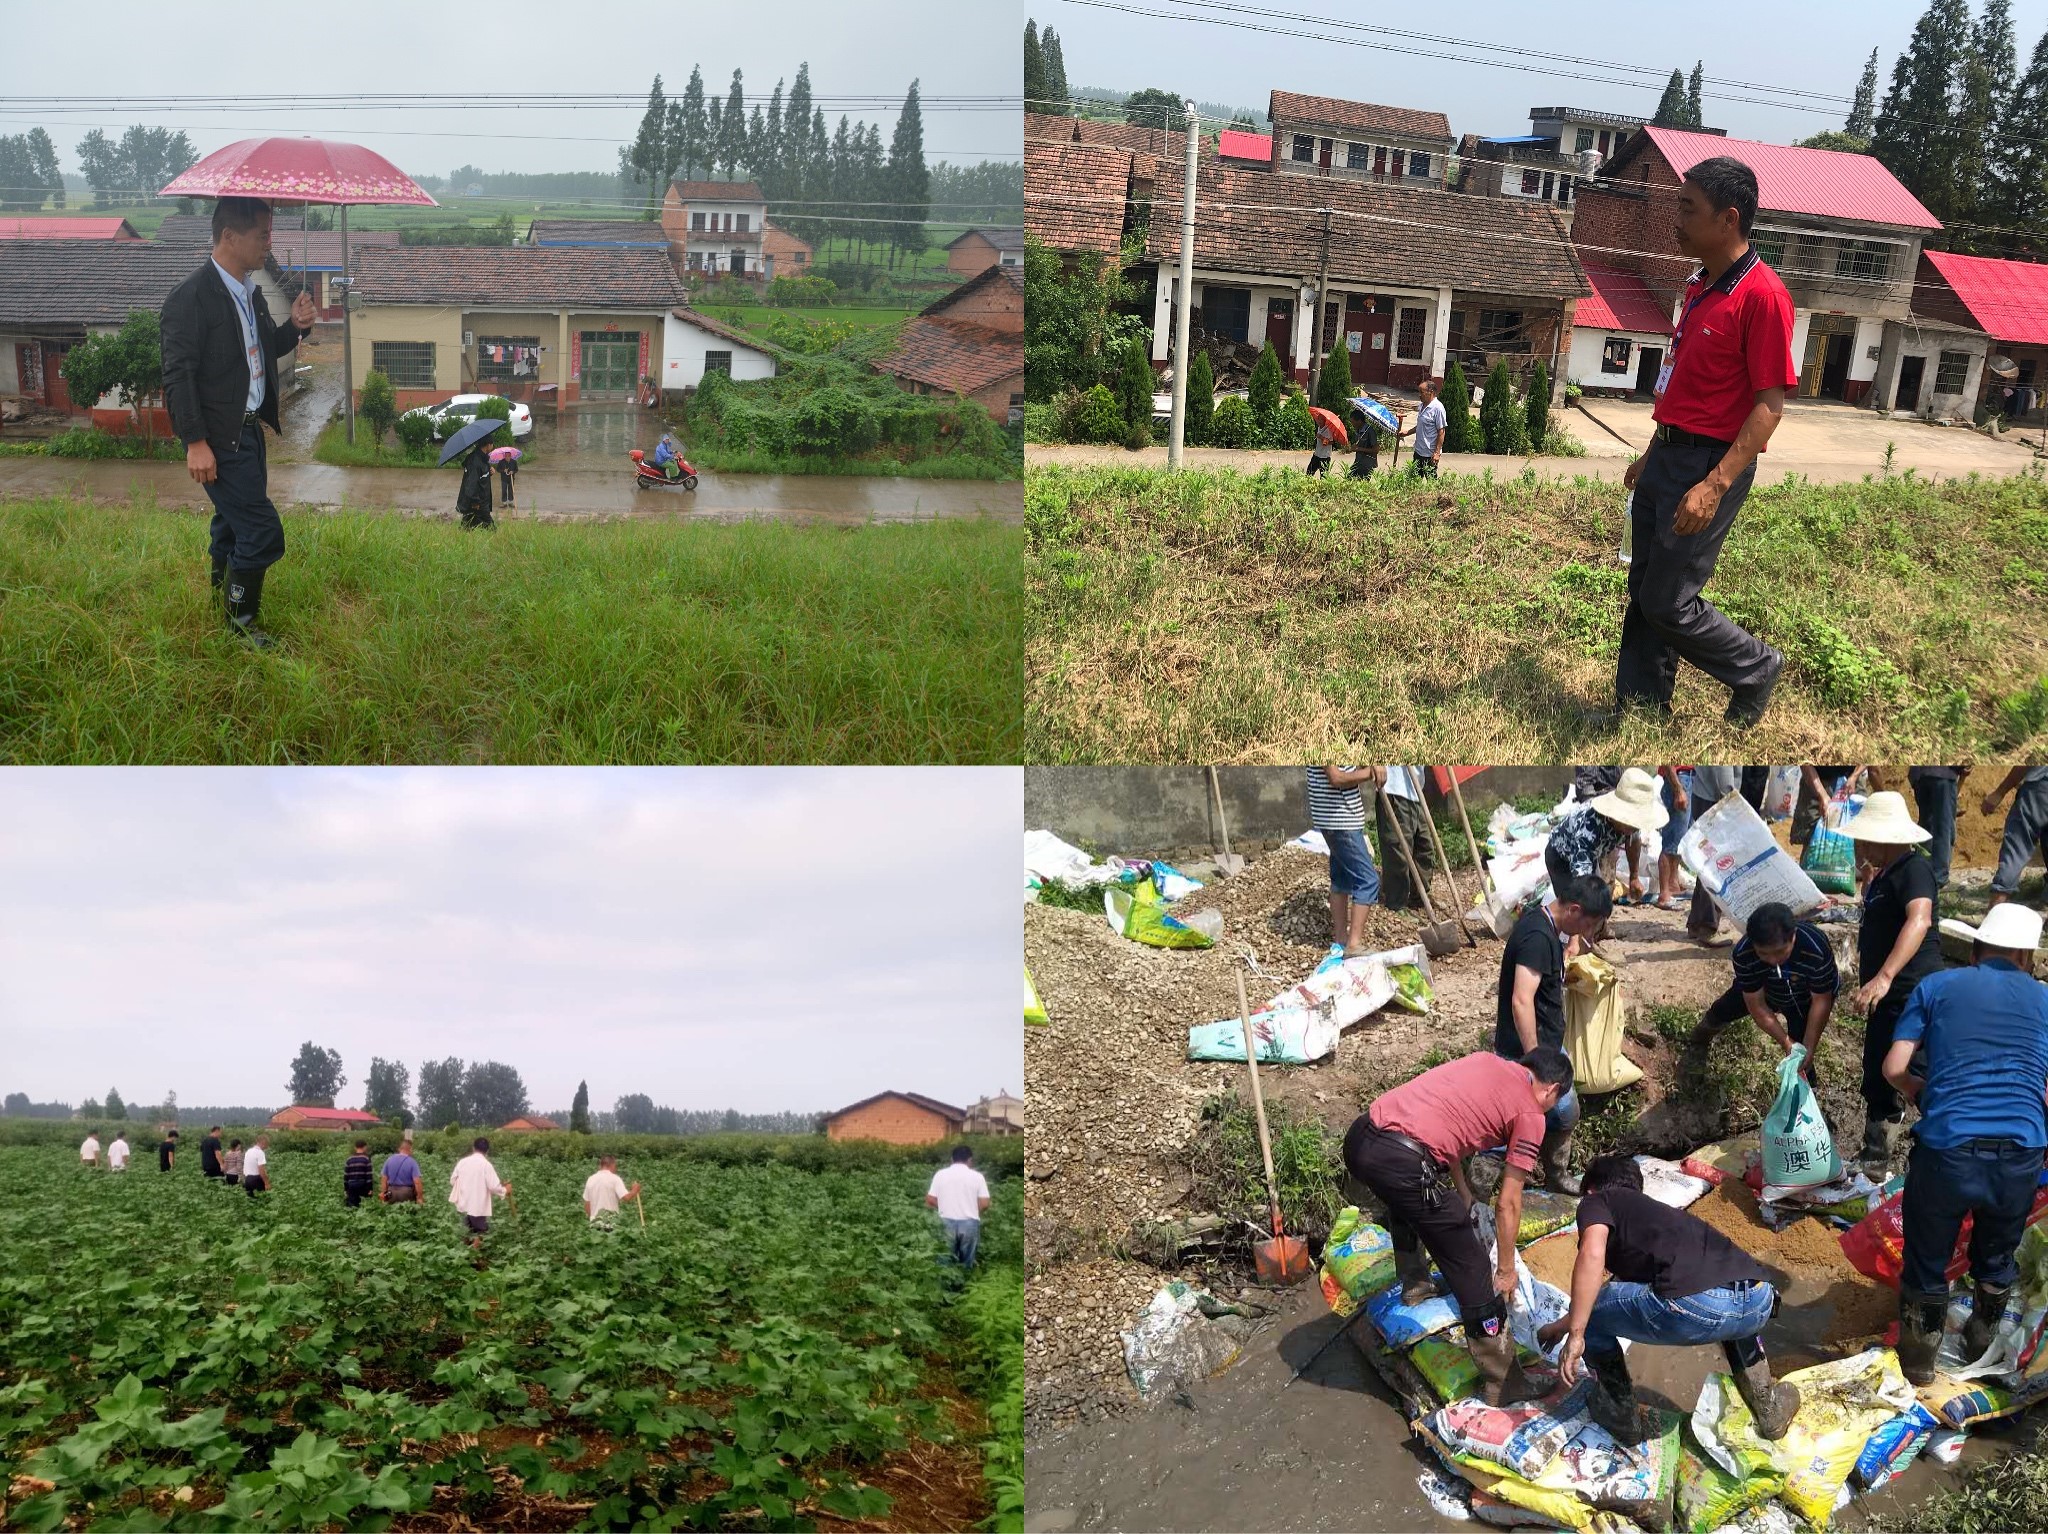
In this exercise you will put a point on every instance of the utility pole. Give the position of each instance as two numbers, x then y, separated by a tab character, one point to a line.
1184	299
1315	320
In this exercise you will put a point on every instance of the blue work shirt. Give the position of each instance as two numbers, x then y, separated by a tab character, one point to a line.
401	1170
243	293
1986	1033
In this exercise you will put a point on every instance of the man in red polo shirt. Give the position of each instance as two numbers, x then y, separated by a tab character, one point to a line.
1720	396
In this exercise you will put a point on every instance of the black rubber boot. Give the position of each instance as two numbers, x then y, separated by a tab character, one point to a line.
1986	1308
1411	1272
220	573
1921	1318
245	599
1558	1175
1613	1403
1501	1380
1746	705
1772	1404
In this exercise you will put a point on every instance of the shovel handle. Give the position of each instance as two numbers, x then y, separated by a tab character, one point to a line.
1471	841
1251	1062
1437	840
1222	825
1401	843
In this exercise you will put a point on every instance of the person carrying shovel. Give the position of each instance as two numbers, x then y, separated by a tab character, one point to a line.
1409	1148
1529	1013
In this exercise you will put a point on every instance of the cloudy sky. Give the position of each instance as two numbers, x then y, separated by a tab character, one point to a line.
1813	46
763	939
524	48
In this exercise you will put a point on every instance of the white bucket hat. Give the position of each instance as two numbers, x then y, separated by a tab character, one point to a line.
2010	925
1883	818
1633	801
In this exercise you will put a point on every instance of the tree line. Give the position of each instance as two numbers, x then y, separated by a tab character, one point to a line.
819	183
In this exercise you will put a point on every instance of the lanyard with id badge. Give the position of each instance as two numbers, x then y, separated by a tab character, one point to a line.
1671	356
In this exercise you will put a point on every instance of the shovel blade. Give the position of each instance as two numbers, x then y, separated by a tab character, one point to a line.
1282	1260
1441	939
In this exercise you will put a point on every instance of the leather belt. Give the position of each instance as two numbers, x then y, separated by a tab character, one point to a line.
1678	438
1411	1144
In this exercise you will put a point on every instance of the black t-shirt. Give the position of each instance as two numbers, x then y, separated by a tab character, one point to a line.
1534	944
1884	918
209	1155
163	1155
1675	1253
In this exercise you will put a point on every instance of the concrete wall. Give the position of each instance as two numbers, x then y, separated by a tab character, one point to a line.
892	1120
1162	811
1589	348
684	346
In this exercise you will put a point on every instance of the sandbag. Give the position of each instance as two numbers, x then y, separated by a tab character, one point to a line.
1034	1009
1358	1260
1412	992
1344	993
1522	1438
1841	1404
1589	1474
1876	1245
1830	856
1708	1496
1960	1402
1446	1362
1781	793
1732	852
1670	1184
1284	1038
1137	912
1593	1027
1798	1151
1172	1345
1894	1446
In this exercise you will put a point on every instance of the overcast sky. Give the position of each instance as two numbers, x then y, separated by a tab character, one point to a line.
205	47
763	939
1814	45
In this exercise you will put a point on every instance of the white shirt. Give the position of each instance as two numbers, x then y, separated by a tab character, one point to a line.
90	1151
117	1155
243	294
959	1190
603	1191
253	1162
1402	783
472	1183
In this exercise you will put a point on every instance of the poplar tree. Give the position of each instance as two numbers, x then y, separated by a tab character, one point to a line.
1692	95
1863	111
1987	82
2018	190
1671	105
693	139
732	137
1035	95
1055	73
1915	131
910	184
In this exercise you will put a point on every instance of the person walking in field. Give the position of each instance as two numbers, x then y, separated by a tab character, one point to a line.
167	1152
220	354
209	1154
472	1186
89	1150
231	1164
1719	397
400	1179
960	1195
117	1154
602	1191
256	1167
355	1176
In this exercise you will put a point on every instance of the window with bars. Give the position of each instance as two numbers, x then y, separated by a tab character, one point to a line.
718	362
697	222
1357	157
742	225
1870	260
507	357
1769	246
1500	330
1408	335
1332	311
408	364
1304	148
1532	182
1806	254
1952	371
1418	164
1583	142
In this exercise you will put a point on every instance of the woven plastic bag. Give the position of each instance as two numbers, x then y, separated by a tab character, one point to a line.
1358	1260
1136	911
1593	1027
1798	1150
1830	857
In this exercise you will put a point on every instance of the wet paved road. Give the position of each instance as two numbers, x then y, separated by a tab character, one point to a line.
544	493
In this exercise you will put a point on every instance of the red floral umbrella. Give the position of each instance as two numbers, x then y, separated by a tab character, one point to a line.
1328	418
302	170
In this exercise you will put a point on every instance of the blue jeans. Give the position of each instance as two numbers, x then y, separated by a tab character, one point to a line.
964	1236
1991	1179
1681	820
1351	867
2026	827
1559	1120
1635	1311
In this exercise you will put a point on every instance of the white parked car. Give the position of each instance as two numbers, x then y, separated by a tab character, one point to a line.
464	407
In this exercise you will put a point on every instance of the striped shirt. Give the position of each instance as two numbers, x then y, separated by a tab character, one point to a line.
1790	987
1334	809
355	1173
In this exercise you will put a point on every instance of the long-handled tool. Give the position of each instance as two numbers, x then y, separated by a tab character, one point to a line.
1229	864
1457	896
640	1203
1439	938
1498	916
1284	1258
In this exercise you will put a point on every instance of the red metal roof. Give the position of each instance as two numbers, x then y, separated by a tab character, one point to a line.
1619	301
331	1115
2008	298
1236	144
66	229
1824	182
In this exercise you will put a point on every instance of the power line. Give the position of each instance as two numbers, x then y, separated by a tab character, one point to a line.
387	101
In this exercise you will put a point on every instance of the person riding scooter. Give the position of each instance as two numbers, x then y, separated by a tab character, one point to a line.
668	456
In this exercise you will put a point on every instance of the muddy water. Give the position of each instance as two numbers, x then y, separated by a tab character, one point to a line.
544	493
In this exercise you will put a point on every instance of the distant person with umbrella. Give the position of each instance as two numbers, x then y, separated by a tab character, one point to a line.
1329	433
473	499
220	351
506	461
1370	420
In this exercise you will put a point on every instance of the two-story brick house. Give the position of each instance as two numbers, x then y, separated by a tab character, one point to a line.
1359	141
717	226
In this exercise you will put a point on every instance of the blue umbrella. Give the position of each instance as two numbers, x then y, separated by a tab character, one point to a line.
469	437
1375	411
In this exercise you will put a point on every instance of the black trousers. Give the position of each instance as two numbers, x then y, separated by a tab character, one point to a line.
1667	619
354	1196
1397	890
247	532
1425	1207
1936	798
1880	1097
1729	1007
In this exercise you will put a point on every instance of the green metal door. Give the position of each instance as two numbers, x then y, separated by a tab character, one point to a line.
611	363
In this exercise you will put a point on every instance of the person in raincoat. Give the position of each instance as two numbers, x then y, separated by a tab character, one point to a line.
473	500
506	461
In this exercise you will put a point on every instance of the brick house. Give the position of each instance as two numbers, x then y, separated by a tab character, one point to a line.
1620	334
1248	151
783	254
899	1118
53	293
63	227
1076	196
1001	1114
717	227
969	342
1970	313
317	253
531	1123
577	322
1416	277
1325	136
1838	228
975	251
296	1117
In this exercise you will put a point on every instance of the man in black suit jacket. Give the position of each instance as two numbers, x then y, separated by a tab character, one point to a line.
220	354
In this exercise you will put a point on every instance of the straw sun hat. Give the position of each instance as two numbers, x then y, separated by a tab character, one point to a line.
2010	926
1634	802
1883	818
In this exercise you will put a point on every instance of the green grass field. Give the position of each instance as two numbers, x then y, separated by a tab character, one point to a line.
775	1348
405	640
1275	618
